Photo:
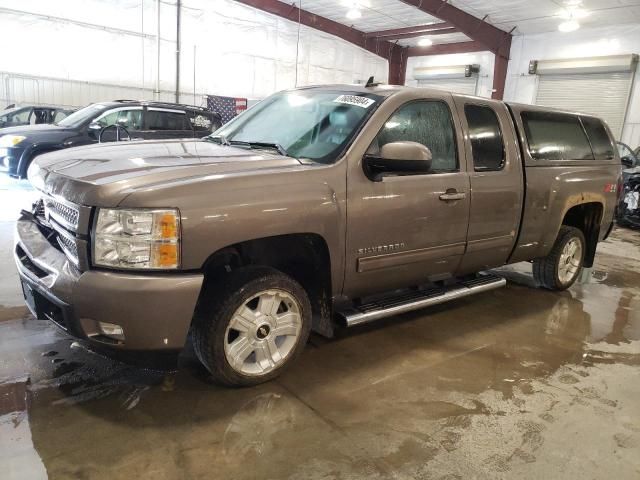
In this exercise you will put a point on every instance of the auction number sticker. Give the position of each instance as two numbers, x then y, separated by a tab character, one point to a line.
363	102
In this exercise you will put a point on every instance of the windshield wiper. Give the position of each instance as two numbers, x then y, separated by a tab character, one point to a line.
219	139
222	140
275	146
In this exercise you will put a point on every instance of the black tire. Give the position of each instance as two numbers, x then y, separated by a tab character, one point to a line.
546	269
219	302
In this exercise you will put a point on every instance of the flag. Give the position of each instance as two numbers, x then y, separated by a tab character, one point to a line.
226	107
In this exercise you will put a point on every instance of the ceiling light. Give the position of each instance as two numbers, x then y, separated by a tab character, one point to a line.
573	3
569	26
425	42
354	14
573	13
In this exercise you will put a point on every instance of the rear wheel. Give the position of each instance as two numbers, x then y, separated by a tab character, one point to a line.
251	327
560	269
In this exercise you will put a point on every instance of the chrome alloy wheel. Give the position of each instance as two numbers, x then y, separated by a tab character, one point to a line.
263	332
570	260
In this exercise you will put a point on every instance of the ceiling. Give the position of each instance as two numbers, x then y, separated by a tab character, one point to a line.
527	16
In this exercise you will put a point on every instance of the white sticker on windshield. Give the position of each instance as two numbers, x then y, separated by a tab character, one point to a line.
363	102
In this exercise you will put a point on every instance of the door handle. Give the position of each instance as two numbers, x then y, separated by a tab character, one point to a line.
452	195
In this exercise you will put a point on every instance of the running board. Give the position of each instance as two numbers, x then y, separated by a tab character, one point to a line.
415	300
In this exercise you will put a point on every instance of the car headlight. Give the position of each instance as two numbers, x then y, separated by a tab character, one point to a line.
10	140
137	238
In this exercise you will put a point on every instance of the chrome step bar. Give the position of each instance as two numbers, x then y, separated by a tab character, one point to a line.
419	299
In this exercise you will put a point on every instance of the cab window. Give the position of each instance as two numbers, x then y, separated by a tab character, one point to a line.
426	122
485	136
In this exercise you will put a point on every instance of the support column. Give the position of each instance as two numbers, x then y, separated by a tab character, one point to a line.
500	68
397	65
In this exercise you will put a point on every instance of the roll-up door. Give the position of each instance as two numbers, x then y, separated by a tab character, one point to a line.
452	78
464	85
586	86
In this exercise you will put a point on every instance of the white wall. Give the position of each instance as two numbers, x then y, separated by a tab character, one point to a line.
484	59
240	51
610	40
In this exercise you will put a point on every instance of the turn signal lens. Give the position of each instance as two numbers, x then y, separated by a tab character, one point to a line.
165	255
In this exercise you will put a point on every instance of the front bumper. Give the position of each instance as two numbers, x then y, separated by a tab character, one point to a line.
10	158
154	310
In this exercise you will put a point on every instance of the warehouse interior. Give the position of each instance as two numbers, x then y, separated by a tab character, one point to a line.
517	382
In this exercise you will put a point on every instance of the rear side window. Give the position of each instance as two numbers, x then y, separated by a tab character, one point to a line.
203	122
600	141
166	120
486	138
555	136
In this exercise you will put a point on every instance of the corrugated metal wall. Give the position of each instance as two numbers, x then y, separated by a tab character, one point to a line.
29	89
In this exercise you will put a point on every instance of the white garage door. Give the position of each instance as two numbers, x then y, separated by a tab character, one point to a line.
605	95
463	85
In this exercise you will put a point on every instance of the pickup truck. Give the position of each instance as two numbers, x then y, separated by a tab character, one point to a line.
316	208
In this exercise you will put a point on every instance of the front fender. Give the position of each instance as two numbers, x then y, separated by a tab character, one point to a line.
217	213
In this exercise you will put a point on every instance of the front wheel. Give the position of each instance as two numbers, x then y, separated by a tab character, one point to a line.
251	326
561	268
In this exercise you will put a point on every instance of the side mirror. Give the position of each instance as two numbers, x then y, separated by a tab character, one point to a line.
94	129
627	162
398	158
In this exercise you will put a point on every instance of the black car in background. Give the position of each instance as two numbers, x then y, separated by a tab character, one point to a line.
103	122
628	213
32	115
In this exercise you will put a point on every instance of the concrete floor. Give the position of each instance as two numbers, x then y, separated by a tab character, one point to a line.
515	383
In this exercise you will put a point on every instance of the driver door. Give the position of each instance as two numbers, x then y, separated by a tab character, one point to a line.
409	228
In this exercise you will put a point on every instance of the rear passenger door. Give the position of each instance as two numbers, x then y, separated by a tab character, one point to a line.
496	181
166	123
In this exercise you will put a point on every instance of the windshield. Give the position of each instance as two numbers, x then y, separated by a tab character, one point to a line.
81	116
310	124
14	114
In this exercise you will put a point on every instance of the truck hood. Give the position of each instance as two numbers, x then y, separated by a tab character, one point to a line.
102	175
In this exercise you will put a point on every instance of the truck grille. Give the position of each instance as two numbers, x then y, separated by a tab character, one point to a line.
61	218
68	245
64	213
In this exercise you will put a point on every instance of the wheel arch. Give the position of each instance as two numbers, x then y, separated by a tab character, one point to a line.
587	217
303	256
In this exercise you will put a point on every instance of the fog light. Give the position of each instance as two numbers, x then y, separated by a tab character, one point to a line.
111	330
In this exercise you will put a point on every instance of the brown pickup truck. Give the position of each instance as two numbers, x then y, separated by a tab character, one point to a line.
318	206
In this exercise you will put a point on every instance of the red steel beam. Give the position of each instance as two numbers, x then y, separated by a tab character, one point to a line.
478	30
446	48
420	34
500	73
432	27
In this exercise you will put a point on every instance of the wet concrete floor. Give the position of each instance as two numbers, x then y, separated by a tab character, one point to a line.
514	383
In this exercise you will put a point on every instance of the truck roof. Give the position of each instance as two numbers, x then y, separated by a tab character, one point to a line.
388	90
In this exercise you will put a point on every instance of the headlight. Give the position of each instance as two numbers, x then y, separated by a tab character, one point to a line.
10	140
137	238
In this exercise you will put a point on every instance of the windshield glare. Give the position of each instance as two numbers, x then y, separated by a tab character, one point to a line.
306	124
78	118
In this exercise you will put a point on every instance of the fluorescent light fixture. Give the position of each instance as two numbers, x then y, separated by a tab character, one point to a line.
354	14
425	42
569	26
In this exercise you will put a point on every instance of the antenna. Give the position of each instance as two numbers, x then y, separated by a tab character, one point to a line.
371	82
